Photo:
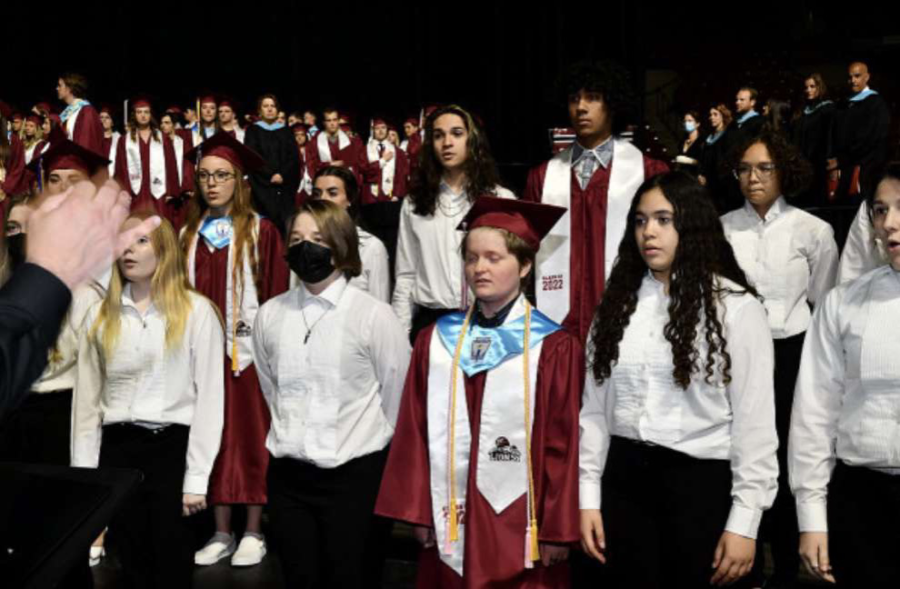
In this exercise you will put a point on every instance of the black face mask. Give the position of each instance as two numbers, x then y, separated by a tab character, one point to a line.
310	261
15	245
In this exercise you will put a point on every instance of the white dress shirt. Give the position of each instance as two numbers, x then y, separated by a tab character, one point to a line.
862	252
335	395
429	265
790	257
847	400
145	384
61	369
641	401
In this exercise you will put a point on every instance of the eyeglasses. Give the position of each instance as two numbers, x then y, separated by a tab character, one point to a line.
220	177
764	171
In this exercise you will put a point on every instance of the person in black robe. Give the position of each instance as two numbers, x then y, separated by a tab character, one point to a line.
860	136
275	185
811	133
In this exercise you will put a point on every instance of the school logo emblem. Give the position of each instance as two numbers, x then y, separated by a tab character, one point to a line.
480	347
504	452
243	329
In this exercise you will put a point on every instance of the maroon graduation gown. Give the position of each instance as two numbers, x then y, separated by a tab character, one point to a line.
494	551
239	474
350	155
17	181
371	174
170	204
302	194
88	131
588	237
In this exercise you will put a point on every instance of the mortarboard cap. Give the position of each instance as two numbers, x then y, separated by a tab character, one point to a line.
225	146
64	154
529	220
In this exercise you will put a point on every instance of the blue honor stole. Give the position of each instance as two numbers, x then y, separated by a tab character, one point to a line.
217	231
485	348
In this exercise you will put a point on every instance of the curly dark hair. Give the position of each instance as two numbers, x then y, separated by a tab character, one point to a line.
703	253
794	172
609	79
482	177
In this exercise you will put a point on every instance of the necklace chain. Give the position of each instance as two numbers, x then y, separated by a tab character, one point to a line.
309	327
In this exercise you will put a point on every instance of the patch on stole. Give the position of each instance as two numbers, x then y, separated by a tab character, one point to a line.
480	347
504	452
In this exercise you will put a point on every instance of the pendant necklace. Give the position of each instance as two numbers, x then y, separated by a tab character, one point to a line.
309	327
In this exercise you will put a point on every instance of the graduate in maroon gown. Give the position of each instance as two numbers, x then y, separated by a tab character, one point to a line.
110	135
33	143
228	120
236	258
147	166
14	179
484	461
301	138
334	146
383	167
594	179
81	121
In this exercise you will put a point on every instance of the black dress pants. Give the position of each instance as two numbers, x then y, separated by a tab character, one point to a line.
663	513
322	522
155	543
779	524
864	527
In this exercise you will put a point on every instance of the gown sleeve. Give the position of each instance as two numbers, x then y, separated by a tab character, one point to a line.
406	484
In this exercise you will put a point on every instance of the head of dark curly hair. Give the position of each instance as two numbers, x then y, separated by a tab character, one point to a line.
703	253
482	177
793	171
607	78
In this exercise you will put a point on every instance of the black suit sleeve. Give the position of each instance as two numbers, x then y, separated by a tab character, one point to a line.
289	161
33	305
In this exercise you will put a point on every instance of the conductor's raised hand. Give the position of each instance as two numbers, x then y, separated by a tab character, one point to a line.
76	234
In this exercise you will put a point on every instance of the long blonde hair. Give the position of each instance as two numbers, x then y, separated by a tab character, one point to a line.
243	218
169	291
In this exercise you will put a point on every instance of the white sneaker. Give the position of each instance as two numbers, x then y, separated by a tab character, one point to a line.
214	551
97	553
249	553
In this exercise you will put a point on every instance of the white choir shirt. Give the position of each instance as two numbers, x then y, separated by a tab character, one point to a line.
790	257
641	401
862	252
145	384
375	278
336	396
847	399
429	265
60	375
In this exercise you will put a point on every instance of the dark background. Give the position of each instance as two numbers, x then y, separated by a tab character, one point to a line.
499	59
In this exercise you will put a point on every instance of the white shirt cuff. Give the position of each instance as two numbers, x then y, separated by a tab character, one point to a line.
589	495
743	521
812	517
195	484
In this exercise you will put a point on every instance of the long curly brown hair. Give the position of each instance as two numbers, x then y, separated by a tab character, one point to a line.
482	177
793	170
703	253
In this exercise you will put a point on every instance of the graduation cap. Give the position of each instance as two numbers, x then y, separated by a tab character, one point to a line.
225	146
141	101
17	116
229	102
530	221
207	98
34	118
298	125
64	154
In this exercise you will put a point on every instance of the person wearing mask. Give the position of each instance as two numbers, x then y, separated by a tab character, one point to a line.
332	360
339	186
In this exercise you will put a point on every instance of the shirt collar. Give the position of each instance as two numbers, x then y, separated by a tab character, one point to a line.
777	208
330	296
128	301
604	152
